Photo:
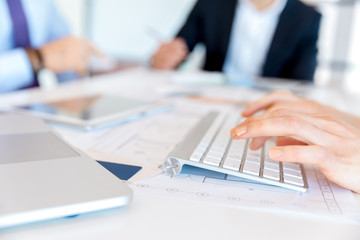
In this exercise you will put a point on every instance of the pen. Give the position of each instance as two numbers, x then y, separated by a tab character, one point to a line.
154	34
218	100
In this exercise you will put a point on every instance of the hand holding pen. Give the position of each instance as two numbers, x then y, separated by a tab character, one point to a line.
170	54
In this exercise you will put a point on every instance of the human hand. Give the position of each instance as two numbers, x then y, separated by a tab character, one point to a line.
287	100
68	54
282	99
170	54
321	139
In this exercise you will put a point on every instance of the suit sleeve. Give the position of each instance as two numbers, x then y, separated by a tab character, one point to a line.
305	57
191	30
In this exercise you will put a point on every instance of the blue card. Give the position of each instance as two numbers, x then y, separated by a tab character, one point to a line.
122	171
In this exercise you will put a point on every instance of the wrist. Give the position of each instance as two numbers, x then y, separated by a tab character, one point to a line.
36	59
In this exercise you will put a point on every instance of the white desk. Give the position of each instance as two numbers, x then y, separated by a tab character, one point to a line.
151	217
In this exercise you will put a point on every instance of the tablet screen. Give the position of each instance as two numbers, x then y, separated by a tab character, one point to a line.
87	108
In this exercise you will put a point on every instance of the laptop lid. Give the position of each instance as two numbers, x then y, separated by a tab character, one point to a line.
42	177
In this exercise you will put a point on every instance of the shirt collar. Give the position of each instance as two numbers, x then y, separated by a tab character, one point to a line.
275	9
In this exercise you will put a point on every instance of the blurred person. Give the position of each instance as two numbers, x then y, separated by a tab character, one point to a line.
308	132
269	38
34	36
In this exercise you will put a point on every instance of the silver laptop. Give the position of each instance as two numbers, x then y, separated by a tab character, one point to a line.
42	177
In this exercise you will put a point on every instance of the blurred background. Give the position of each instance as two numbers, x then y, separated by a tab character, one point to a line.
130	31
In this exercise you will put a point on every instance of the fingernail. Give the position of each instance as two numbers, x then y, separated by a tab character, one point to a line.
254	146
275	153
244	113
240	131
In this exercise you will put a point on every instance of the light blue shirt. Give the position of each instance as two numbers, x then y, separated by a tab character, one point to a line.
45	25
251	37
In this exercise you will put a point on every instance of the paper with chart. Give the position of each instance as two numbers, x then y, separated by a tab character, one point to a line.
145	142
323	198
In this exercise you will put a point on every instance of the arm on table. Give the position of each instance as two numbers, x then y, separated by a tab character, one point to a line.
15	70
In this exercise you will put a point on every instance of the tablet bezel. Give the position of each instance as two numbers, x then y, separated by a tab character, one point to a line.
148	109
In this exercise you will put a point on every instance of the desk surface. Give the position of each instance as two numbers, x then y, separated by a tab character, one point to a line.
151	217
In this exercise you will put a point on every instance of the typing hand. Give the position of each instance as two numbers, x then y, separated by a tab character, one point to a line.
287	101
68	54
170	55
315	138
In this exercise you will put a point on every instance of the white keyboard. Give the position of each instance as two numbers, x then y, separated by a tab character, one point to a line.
210	146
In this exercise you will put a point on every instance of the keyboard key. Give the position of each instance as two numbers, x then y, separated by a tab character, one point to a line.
256	160
235	155
272	166
271	174
269	161
212	161
218	149
226	155
256	153
251	168
292	166
293	174
232	163
202	146
205	141
293	180
199	151
237	148
196	157
215	155
238	145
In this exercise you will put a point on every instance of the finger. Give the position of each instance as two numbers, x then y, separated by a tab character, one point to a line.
169	56
321	121
175	54
258	142
285	141
179	48
309	129
293	126
267	101
307	106
278	112
171	64
268	114
313	154
81	70
95	51
345	175
175	45
251	119
162	66
179	57
333	126
163	63
181	43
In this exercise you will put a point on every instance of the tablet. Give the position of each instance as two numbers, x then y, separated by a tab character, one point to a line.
94	112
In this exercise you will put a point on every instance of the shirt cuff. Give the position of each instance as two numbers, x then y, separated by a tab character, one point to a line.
15	70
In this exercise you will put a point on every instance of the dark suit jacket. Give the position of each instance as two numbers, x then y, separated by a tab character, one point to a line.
292	53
